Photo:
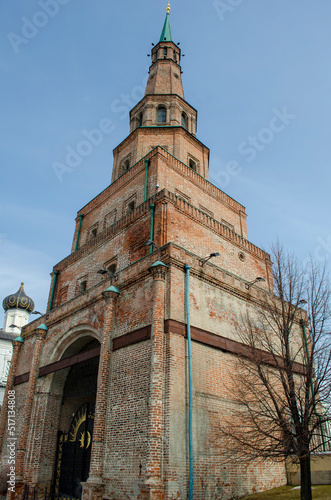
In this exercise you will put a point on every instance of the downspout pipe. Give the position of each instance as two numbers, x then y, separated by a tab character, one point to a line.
152	209
312	380
190	381
146	179
79	228
56	273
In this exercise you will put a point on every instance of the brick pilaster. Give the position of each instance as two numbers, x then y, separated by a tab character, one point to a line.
96	465
153	487
24	431
9	387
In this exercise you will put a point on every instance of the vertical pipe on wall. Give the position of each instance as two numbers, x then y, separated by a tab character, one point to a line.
190	382
56	273
152	208
79	228
146	179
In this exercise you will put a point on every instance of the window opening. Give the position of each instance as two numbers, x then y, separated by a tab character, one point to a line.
130	207
111	269
7	370
193	165
184	120
161	114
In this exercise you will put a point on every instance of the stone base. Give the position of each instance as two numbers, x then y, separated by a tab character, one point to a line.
93	490
151	492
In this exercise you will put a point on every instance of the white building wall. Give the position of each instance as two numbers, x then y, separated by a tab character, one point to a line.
17	317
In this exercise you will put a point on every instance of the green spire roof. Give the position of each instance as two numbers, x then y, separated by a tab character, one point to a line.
166	35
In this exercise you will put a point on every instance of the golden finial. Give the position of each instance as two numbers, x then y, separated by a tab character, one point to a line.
168	8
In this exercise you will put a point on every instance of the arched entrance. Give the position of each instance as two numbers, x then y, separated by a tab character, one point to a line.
76	422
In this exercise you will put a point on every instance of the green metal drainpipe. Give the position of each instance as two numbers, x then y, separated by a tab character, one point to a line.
146	179
79	228
56	273
190	382
152	209
312	381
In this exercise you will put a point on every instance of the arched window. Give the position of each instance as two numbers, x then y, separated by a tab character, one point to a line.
140	119
161	114
165	52
184	120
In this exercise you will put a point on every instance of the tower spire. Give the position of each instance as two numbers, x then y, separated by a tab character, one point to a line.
166	35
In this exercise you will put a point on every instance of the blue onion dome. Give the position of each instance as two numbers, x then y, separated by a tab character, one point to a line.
18	300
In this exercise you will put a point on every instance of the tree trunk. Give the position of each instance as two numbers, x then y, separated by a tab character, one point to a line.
305	478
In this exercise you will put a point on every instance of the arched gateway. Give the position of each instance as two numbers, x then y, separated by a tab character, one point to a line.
56	455
76	417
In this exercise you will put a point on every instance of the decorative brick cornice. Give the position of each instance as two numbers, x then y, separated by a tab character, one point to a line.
201	182
143	211
217	227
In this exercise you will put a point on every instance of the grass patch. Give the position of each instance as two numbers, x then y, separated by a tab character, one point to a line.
290	493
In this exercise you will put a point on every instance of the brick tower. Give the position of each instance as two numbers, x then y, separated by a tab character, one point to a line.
102	382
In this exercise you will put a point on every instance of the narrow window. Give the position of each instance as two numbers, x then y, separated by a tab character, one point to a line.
175	56
93	233
184	120
140	119
112	269
161	114
193	165
165	52
82	286
126	165
130	207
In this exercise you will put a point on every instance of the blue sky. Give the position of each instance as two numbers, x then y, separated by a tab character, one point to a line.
257	71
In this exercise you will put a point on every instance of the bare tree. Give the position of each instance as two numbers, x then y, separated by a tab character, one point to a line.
281	387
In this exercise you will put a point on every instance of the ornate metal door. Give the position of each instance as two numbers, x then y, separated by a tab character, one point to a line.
74	453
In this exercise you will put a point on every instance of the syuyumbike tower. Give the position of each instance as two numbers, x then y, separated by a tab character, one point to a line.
102	381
